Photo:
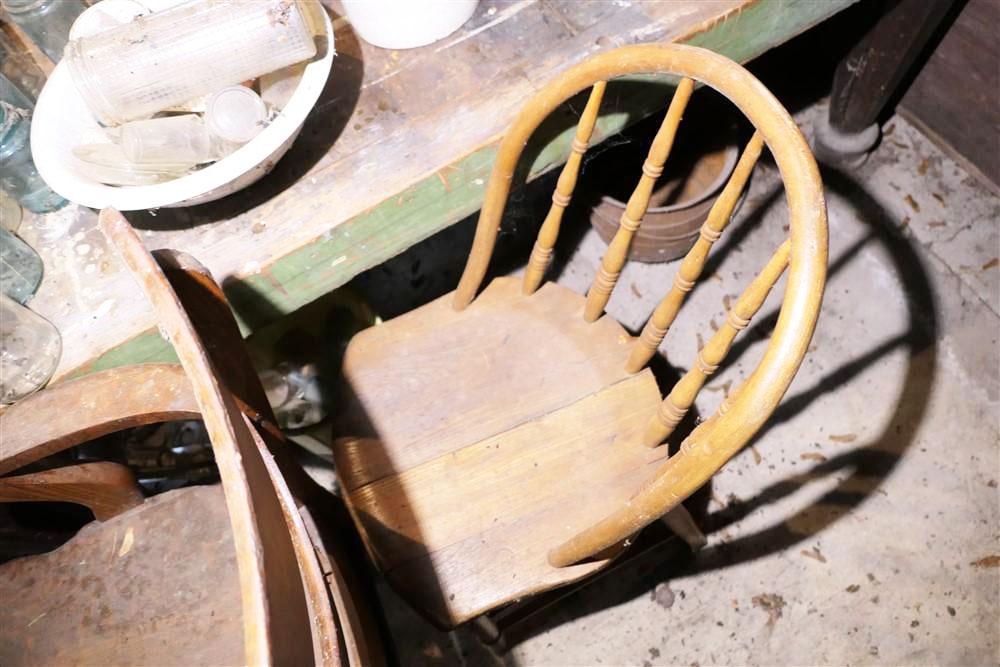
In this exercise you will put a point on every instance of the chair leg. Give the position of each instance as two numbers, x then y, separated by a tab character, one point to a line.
486	630
680	521
867	78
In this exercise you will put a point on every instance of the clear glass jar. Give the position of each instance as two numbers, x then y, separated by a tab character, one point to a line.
184	52
173	140
18	175
295	393
10	212
20	268
29	350
46	22
14	96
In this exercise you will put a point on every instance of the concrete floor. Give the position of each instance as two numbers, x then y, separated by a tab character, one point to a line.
862	525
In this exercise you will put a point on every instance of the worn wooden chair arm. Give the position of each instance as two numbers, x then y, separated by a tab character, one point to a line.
107	489
275	615
719	438
78	411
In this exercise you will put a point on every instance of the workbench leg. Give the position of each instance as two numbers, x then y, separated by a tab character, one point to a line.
869	74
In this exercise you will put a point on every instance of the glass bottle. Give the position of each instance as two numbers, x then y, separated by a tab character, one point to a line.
18	175
13	95
171	141
46	22
295	393
20	268
10	212
29	350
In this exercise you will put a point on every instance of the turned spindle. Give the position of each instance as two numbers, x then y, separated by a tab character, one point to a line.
541	254
681	397
614	258
694	262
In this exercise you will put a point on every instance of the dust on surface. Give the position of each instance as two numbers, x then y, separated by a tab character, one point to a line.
772	603
988	561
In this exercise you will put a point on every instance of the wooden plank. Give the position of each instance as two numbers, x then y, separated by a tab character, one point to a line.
954	98
381	164
469	531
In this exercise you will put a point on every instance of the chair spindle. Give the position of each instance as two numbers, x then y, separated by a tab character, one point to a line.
541	253
614	258
694	262
678	402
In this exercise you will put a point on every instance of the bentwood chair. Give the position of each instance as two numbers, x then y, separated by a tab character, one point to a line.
240	572
505	442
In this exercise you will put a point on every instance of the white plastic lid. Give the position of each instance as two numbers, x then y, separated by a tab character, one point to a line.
235	114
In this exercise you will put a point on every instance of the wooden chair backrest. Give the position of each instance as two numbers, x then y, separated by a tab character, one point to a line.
804	255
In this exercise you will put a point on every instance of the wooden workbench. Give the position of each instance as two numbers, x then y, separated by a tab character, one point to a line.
399	146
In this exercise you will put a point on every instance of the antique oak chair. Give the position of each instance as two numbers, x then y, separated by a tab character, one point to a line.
234	573
499	444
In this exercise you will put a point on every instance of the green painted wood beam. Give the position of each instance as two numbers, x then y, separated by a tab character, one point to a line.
429	206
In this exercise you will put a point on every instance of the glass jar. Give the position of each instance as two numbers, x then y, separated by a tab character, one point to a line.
29	350
20	268
46	22
18	175
14	96
10	212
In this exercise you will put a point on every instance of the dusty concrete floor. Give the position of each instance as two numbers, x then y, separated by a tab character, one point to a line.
859	527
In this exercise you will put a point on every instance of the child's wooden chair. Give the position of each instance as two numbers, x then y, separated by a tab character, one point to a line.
506	443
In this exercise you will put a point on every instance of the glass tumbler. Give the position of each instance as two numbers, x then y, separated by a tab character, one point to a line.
235	114
29	350
171	140
20	268
181	53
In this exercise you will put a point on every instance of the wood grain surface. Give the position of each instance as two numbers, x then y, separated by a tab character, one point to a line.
532	355
89	407
470	529
107	489
148	587
274	609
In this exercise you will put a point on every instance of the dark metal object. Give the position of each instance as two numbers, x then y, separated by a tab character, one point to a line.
869	75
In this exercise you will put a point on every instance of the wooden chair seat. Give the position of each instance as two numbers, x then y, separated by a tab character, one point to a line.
491	433
131	590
